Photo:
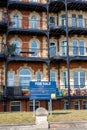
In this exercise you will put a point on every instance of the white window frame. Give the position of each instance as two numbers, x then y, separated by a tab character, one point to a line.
77	103
11	78
15	21
78	47
83	103
34	22
25	87
51	77
52	49
31	104
63	47
65	105
65	86
14	105
36	49
40	76
79	79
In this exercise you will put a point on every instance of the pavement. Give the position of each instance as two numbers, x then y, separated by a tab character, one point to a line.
53	126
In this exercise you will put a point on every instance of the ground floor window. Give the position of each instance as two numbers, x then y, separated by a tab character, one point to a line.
84	104
15	106
66	105
77	105
37	104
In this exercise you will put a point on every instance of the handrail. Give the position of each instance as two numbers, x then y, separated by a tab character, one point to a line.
28	1
28	24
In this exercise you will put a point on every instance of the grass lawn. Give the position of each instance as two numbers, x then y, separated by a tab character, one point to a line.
57	116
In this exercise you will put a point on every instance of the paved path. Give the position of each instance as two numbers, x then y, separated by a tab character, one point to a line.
53	126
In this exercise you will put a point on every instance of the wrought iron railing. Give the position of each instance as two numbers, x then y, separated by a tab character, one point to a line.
73	51
31	1
28	52
26	23
72	22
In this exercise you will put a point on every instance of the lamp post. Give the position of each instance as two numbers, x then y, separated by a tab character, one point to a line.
68	60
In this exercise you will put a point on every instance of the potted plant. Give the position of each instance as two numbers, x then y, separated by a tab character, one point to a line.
11	49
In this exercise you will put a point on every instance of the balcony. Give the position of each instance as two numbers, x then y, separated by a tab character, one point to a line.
77	5
28	5
16	93
76	91
27	27
75	53
75	26
71	5
27	54
56	5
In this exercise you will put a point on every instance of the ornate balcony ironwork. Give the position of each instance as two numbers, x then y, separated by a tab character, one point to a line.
75	26
27	5
27	26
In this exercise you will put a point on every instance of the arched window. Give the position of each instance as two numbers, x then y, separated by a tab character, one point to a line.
10	79
15	21
25	78
34	48
38	76
17	45
34	22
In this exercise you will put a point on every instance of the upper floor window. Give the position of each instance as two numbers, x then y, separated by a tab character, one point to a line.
52	76
25	78
15	21
34	22
63	20
38	76
78	47
17	45
52	49
79	79
52	22
77	20
65	79
10	79
63	48
34	48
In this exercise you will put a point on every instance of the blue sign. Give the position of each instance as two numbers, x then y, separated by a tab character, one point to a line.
42	90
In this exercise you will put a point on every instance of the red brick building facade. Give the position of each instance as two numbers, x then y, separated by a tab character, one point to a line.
43	40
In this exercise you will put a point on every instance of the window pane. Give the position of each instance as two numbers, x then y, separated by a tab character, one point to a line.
24	78
81	44
52	76
34	48
75	47
65	79
80	21
74	20
52	49
38	76
15	106
76	84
